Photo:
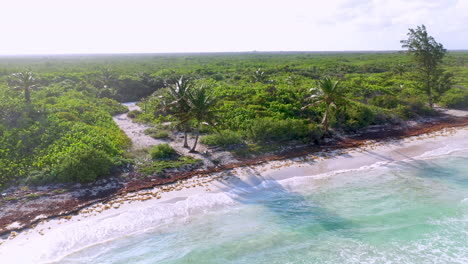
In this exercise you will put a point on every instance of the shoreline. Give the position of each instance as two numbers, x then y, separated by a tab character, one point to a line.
206	192
67	208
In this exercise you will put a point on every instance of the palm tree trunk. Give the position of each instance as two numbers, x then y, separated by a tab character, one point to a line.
27	95
197	134
185	136
185	139
325	118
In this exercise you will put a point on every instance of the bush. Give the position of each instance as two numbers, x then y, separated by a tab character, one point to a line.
162	151
160	134
134	113
412	107
112	107
83	165
384	101
156	133
268	129
160	166
353	117
224	139
455	98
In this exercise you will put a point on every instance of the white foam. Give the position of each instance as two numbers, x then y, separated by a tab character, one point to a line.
444	151
67	238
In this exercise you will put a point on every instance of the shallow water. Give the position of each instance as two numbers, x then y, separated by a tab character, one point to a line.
405	212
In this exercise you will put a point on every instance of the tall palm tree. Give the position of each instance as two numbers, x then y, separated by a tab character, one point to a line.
177	104
202	104
25	82
329	93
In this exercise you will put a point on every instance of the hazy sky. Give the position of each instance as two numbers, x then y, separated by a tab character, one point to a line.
135	26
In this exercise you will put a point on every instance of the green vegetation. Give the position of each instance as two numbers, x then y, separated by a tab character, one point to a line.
58	134
134	113
329	93
162	151
33	196
157	133
56	125
159	166
428	55
202	105
224	139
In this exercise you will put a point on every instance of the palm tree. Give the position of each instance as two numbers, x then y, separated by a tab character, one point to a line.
202	108
177	104
24	81
327	92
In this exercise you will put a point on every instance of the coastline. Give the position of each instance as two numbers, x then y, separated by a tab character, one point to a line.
92	194
137	209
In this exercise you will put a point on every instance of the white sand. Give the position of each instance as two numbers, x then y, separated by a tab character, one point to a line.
143	210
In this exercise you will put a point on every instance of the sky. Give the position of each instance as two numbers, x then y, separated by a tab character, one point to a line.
154	26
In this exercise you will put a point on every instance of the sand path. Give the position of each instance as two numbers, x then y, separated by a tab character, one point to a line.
136	132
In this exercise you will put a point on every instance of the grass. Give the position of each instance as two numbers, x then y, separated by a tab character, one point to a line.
11	199
157	133
32	196
224	139
162	152
254	149
159	166
60	191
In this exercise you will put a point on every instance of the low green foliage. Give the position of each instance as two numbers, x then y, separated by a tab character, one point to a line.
157	133
162	151
455	98
159	166
413	107
64	138
82	165
32	196
267	129
134	113
250	150
224	139
112	107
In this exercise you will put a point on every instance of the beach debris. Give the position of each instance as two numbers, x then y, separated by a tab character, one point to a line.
14	225
13	234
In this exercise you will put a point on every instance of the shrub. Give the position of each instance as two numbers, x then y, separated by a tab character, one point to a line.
156	133
413	107
353	117
82	165
225	139
160	166
160	134
112	107
134	113
268	129
384	101
162	151
455	98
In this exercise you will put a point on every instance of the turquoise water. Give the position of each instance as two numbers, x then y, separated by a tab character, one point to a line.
405	212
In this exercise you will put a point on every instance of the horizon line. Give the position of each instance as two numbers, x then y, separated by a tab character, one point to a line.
207	52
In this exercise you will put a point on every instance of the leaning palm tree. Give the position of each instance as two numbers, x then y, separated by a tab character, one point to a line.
329	93
177	104
24	81
202	104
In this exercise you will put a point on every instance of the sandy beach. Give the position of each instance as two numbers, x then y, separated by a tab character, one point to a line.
139	211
